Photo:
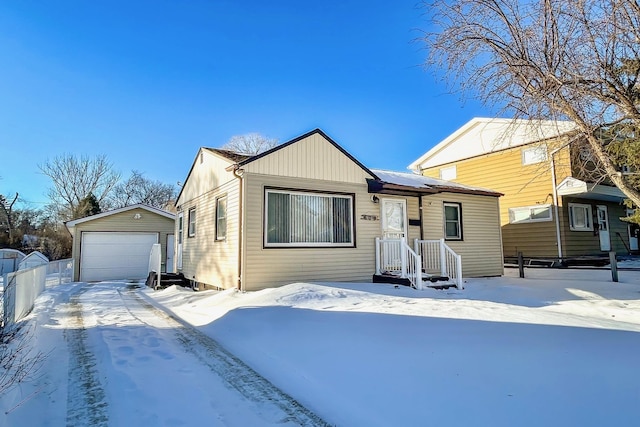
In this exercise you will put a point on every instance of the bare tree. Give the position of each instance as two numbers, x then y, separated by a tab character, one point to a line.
75	178
138	189
549	59
250	143
7	215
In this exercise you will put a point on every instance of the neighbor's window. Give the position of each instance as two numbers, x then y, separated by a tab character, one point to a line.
453	221
180	218
449	173
221	218
192	222
580	217
298	218
537	213
534	155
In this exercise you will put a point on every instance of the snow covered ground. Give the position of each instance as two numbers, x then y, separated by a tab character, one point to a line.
557	348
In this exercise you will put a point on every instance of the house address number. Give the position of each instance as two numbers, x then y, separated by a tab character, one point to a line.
369	217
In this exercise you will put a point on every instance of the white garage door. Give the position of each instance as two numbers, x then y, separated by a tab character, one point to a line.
110	256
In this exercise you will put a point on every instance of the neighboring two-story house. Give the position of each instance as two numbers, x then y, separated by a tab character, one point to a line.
550	208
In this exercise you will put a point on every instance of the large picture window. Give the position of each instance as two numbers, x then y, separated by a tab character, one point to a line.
298	218
452	221
580	217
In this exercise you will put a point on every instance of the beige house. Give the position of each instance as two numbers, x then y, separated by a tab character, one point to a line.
550	208
309	211
117	244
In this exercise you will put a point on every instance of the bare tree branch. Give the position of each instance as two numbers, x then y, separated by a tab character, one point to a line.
547	59
250	143
75	178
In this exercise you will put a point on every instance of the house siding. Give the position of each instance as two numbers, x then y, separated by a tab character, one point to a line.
205	259
123	222
266	267
577	243
310	158
522	185
481	247
207	173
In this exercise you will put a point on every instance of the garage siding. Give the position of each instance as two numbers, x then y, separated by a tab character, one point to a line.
148	222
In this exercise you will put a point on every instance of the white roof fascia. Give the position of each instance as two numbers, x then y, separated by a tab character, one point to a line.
73	223
485	135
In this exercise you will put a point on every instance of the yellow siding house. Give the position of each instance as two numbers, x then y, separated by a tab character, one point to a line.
548	210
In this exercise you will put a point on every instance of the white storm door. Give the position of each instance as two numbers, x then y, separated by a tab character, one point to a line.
394	218
603	228
633	233
180	237
170	249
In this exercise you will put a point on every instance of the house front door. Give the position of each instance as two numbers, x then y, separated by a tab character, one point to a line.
603	228
634	233
394	218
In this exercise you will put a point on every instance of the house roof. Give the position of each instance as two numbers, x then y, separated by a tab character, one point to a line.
232	156
239	159
73	223
485	135
410	183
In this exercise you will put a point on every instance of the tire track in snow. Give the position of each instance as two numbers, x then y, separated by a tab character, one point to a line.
234	371
86	400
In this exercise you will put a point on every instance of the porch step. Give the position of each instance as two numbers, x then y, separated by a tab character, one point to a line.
434	282
167	279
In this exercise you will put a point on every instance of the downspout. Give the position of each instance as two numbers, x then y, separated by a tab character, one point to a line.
555	193
238	173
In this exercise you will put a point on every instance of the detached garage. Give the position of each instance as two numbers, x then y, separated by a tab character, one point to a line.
116	244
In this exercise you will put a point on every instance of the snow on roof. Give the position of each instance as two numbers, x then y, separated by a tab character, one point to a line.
419	181
484	135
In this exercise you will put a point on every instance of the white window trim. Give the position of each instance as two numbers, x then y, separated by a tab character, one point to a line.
452	170
191	232
589	210
349	197
525	221
539	148
458	206
218	200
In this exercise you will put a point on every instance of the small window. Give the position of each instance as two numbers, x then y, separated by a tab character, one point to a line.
534	155
453	221
580	217
192	222
626	170
538	213
180	227
449	173
221	218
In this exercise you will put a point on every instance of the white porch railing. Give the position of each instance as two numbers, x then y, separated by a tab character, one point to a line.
396	256
439	258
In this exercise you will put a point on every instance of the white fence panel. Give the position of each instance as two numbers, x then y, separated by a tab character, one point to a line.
23	287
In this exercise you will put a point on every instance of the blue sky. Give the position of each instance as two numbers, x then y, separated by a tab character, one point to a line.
148	82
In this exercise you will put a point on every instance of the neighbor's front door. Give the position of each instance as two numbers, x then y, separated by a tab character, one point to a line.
603	228
394	218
